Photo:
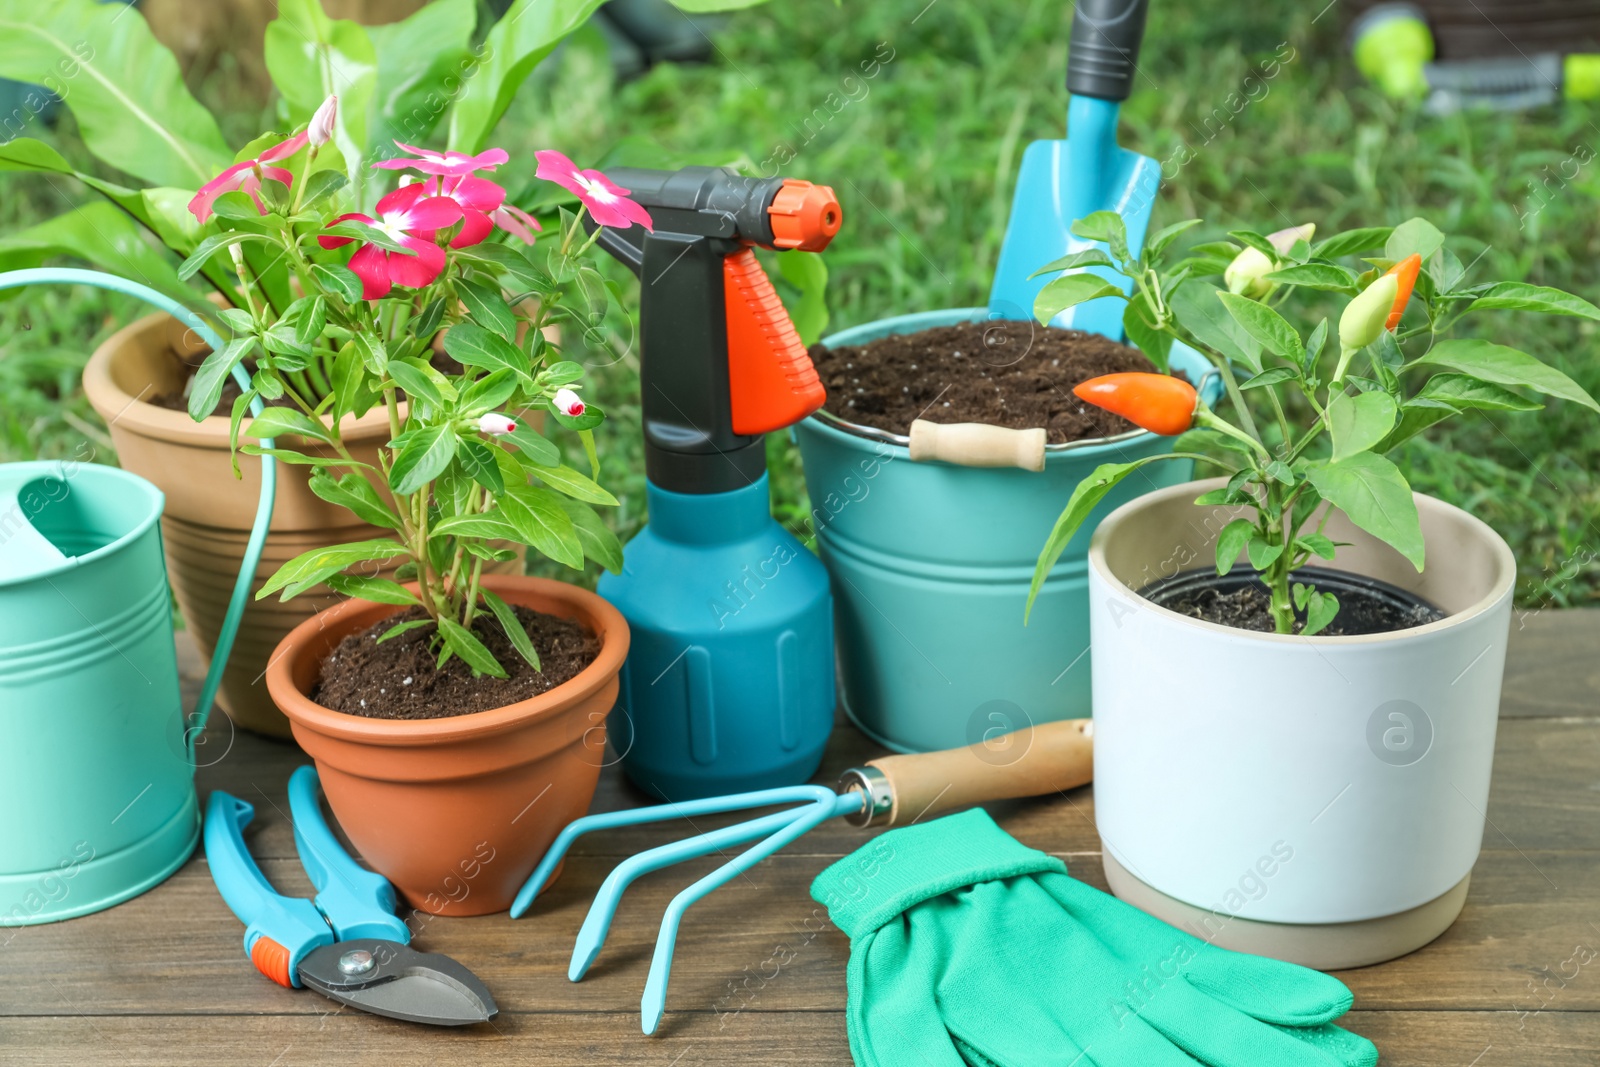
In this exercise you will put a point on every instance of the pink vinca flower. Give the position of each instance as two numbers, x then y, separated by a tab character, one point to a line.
247	176
404	216
496	424
607	201
478	198
324	122
515	221
444	164
569	403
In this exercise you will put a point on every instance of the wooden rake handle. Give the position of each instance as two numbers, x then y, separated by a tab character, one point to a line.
1033	761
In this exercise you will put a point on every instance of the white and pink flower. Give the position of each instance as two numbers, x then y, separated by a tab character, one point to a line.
246	176
410	217
607	201
569	403
443	164
496	424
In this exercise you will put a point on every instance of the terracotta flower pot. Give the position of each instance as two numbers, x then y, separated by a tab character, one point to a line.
209	512
457	811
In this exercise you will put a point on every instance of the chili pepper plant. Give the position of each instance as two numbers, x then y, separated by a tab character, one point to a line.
1334	396
464	472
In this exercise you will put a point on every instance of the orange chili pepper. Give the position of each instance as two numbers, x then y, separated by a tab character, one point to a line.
1159	403
1406	272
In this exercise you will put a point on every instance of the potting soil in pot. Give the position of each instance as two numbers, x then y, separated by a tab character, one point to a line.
1241	600
396	679
1013	374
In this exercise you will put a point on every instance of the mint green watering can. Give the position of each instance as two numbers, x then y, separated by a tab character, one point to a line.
96	757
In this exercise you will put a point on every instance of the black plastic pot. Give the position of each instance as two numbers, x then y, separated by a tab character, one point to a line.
1367	605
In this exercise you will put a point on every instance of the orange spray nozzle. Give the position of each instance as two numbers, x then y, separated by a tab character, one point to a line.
804	216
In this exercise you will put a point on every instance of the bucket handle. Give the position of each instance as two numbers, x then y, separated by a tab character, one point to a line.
976	444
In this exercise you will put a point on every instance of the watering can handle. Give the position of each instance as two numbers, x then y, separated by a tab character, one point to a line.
1104	52
976	444
1050	758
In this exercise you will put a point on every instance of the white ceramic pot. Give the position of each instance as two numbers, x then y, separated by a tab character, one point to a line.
1318	799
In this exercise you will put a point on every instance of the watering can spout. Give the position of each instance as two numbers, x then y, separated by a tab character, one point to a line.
24	551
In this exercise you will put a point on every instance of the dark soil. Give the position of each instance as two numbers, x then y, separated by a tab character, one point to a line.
1013	374
1246	604
396	679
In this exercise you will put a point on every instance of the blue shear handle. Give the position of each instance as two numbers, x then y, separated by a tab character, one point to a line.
292	922
358	902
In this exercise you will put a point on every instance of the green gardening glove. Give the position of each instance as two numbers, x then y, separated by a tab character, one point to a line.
967	947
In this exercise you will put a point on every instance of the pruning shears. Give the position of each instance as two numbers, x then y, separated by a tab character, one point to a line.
347	943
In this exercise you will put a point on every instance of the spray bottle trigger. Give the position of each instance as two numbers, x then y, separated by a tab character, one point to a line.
771	381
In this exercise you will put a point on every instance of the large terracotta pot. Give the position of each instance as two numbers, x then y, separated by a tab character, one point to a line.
209	512
457	811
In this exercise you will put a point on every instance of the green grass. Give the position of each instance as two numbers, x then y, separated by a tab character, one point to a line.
923	156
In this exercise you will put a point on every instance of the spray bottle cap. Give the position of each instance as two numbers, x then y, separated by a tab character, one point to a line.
804	216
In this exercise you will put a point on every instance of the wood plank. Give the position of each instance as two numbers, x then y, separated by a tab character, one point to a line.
1551	666
180	945
800	1039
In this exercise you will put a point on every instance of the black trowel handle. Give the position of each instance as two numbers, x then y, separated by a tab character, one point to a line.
1104	52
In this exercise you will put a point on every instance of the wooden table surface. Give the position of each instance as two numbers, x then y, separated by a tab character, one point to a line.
759	976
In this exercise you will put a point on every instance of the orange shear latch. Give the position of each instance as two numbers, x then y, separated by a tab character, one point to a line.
771	381
272	960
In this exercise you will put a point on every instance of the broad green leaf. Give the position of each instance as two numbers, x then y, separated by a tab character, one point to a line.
1232	541
357	494
208	381
417	384
1265	325
487	393
1519	296
273	422
213	244
1463	391
1320	608
338	279
1068	291
808	273
1414	235
1374	494
1505	366
1164	237
1317	276
487	307
1257	241
420	61
512	626
599	543
1318	544
473	346
360	231
352	394
1348	243
1262	555
563	373
473	652
1155	344
1197	307
1268	377
534	448
311	568
490	525
311	56
1085	496
542	523
102	234
477	459
1089	257
1106	226
570	483
424	458
527	32
123	87
302	460
1359	422
377	590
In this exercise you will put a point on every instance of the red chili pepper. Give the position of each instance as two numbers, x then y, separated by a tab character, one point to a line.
1159	403
1406	271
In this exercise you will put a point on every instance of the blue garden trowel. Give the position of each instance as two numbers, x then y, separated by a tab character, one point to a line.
1062	181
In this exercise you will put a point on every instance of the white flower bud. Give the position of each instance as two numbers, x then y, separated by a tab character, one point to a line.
496	424
569	403
320	132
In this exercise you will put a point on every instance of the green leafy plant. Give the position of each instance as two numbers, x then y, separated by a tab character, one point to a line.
1336	397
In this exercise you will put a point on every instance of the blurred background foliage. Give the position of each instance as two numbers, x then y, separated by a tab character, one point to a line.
923	154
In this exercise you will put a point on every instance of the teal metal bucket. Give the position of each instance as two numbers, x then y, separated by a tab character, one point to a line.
930	565
94	769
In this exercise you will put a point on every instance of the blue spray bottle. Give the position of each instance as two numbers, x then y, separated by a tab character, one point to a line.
728	684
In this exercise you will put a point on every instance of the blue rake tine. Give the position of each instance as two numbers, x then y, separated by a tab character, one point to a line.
659	813
654	1002
597	923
